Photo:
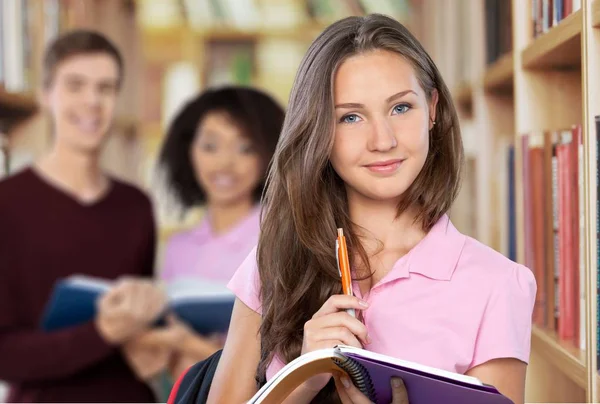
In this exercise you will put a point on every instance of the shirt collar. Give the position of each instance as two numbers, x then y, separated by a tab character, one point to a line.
435	256
236	236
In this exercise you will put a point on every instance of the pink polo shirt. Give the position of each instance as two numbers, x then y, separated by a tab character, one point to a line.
451	303
201	253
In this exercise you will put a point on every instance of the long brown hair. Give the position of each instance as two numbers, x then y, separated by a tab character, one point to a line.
305	200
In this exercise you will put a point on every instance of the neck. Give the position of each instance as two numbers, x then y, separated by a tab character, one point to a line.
224	217
76	172
377	224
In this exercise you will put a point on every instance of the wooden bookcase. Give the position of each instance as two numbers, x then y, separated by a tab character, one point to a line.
549	82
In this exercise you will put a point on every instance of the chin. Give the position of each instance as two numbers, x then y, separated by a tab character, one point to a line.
226	199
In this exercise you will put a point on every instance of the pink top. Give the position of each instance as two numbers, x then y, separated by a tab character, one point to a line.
451	303
200	252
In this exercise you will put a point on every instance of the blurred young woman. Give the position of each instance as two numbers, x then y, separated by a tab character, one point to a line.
216	154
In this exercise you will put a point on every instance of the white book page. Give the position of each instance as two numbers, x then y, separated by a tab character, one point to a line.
198	289
291	367
89	283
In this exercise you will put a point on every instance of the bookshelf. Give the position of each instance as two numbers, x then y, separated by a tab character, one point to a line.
596	13
532	89
15	106
499	76
559	47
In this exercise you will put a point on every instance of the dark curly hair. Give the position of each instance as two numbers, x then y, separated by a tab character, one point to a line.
257	115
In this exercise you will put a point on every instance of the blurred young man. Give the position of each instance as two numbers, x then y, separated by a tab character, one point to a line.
64	216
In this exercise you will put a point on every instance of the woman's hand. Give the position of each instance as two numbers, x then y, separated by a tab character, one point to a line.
128	308
349	394
331	326
146	361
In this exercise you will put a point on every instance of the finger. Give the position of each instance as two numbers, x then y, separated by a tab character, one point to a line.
399	393
341	390
146	305
341	334
340	302
159	337
354	395
341	319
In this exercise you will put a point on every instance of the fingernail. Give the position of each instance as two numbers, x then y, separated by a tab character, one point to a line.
396	382
363	303
368	340
345	382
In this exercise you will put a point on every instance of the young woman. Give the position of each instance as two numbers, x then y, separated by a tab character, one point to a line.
371	144
216	154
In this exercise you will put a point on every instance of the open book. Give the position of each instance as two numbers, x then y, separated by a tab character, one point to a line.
371	373
205	306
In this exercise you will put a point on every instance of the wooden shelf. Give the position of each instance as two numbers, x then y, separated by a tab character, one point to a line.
563	355
223	33
499	75
596	13
558	48
308	33
15	107
24	102
128	124
463	95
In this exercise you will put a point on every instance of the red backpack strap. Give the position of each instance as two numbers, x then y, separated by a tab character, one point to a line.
173	394
193	385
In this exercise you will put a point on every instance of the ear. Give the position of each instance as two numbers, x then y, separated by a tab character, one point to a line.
433	107
43	97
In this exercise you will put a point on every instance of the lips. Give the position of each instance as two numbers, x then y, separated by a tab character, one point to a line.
87	125
223	180
385	167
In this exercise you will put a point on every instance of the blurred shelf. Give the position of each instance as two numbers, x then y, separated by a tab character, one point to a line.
596	13
305	32
499	75
560	47
126	123
15	107
463	95
224	33
565	356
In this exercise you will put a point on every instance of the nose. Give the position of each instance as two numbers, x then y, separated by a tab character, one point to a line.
92	97
226	158
382	137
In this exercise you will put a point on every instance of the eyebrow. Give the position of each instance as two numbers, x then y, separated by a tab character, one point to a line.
389	99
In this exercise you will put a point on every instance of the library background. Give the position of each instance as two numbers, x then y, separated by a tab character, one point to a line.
525	75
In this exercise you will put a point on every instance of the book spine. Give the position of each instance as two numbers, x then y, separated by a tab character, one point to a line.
548	199
537	200
556	229
597	241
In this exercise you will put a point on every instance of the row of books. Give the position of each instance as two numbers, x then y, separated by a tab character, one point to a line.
552	172
498	29
25	28
548	13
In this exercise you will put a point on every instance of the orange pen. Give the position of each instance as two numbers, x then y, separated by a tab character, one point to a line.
341	253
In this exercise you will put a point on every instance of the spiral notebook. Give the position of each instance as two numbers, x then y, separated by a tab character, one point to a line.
371	373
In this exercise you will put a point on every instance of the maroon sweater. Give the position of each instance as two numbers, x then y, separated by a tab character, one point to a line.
45	235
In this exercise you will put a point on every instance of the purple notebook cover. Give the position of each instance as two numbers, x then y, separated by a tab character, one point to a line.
427	389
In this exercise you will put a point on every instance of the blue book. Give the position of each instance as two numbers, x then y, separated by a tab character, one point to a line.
205	306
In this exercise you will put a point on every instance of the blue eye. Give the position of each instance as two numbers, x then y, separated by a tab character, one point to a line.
401	108
246	149
209	147
350	118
